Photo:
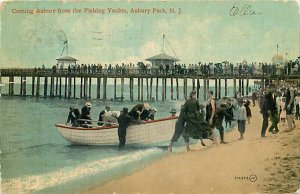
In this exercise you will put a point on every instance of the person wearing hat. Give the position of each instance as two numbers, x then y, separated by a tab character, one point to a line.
123	120
103	112
272	108
86	112
196	127
241	118
220	114
153	111
173	112
146	113
71	116
179	129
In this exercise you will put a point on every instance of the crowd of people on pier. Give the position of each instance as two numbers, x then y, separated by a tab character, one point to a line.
198	121
221	68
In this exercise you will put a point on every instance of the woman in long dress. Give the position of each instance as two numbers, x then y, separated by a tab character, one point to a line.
196	126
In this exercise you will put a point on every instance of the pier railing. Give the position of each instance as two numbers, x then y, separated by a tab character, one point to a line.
153	72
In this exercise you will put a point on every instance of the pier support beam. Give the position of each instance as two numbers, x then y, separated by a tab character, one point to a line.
21	86
194	85
66	87
98	87
69	87
163	89
234	87
32	85
225	87
204	89
247	87
198	88
84	87
81	83
177	89
56	86
104	87
172	89
52	86
147	88
185	88
151	83
11	91
60	86
24	86
142	89
240	85
122	88
139	88
45	86
38	86
74	87
156	89
219	90
115	88
90	87
243	87
207	85
216	88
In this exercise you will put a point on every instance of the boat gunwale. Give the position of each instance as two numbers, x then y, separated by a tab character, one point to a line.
115	126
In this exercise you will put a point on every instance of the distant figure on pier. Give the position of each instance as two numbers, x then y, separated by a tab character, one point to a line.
106	109
138	110
86	112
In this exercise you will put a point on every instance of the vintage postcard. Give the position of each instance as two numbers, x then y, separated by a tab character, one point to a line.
140	97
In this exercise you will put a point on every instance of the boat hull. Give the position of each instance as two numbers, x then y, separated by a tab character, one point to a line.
148	133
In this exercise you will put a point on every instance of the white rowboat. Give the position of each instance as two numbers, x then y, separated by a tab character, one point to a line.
147	133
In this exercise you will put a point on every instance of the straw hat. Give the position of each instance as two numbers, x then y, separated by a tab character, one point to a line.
146	106
88	104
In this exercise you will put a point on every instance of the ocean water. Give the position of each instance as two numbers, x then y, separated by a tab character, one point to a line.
36	159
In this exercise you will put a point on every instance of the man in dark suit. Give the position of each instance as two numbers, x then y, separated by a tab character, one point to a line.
272	109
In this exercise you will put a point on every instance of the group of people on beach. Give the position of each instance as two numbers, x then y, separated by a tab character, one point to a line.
139	113
198	121
279	104
193	123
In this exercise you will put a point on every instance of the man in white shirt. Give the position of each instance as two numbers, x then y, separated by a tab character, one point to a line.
241	118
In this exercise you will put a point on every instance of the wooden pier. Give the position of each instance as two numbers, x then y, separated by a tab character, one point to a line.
52	85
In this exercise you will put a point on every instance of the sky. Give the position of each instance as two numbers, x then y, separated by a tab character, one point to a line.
204	31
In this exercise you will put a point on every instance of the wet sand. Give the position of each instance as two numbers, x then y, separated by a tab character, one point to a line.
251	165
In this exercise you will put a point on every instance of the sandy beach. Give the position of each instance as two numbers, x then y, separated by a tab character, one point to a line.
251	165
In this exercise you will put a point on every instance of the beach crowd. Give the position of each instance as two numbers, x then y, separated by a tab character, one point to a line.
199	121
